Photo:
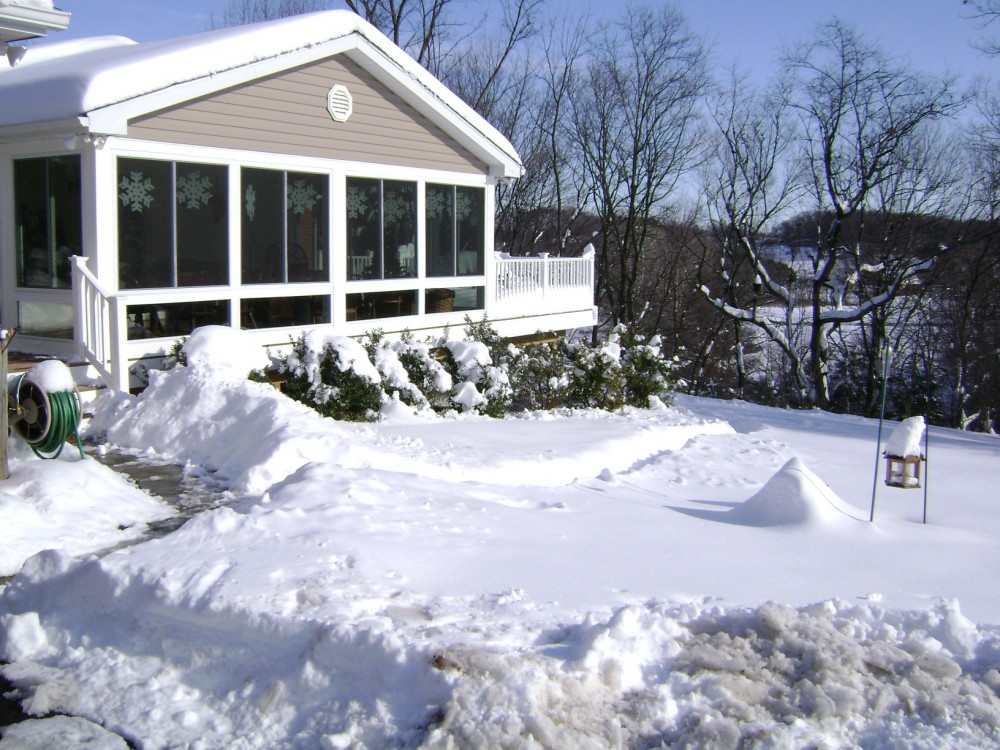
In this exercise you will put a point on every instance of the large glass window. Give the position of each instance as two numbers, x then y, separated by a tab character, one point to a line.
454	299
275	312
47	220
381	229
284	223
173	226
375	305
455	230
174	318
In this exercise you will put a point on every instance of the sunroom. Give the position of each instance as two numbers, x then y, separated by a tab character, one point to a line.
272	177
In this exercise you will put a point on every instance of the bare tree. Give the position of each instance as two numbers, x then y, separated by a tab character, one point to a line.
863	121
418	26
240	12
985	13
638	131
750	181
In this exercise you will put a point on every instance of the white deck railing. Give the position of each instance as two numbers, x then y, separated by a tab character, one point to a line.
544	285
98	326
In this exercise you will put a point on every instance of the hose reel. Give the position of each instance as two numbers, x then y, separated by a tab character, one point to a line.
44	408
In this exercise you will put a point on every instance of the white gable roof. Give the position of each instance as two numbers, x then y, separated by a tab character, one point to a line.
100	84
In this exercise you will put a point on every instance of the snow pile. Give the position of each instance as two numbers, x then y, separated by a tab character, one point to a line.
795	495
59	732
907	438
831	675
176	665
70	504
224	352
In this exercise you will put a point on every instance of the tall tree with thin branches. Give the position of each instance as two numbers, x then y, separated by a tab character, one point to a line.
864	133
638	130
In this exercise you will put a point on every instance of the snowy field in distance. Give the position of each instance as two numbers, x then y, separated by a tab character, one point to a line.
698	575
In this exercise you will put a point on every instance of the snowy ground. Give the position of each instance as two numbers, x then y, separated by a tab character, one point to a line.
695	576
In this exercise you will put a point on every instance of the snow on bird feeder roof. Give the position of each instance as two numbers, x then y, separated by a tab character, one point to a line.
904	454
907	439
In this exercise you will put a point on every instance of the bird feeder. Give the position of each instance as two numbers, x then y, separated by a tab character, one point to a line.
903	471
903	456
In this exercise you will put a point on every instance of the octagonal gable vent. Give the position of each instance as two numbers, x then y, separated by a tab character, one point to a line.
339	103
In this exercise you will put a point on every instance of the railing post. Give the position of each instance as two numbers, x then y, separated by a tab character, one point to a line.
80	313
545	275
119	362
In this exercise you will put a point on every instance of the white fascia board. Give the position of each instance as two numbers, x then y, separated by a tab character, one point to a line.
419	89
21	22
67	127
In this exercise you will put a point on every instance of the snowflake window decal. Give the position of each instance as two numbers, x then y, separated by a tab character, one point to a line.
194	190
302	197
136	191
250	202
438	204
396	208
357	202
464	206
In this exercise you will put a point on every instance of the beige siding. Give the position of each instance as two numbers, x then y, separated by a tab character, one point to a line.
286	114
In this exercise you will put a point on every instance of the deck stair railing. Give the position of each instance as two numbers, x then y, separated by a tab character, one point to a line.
98	324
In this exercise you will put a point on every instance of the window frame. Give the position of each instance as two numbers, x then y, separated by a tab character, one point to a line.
322	254
56	280
221	205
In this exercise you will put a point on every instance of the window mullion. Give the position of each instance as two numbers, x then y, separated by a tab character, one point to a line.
173	221
50	224
454	230
284	227
381	225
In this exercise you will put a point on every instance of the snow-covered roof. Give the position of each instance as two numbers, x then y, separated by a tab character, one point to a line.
27	19
101	84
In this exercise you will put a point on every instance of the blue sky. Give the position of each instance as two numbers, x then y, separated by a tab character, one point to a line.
931	34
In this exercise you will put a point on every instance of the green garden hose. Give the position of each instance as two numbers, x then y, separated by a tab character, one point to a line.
45	421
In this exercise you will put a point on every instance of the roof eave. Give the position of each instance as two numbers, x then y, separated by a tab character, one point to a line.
20	22
69	126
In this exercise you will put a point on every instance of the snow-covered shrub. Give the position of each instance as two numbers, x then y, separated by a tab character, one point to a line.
333	375
479	370
598	378
408	368
540	375
479	385
647	372
425	371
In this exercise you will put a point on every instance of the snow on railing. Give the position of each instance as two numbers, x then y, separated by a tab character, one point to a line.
543	284
98	327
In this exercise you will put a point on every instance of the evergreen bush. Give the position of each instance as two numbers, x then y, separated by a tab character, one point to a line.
333	375
540	376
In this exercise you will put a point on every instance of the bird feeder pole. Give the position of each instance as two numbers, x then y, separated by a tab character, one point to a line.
927	446
886	360
5	337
